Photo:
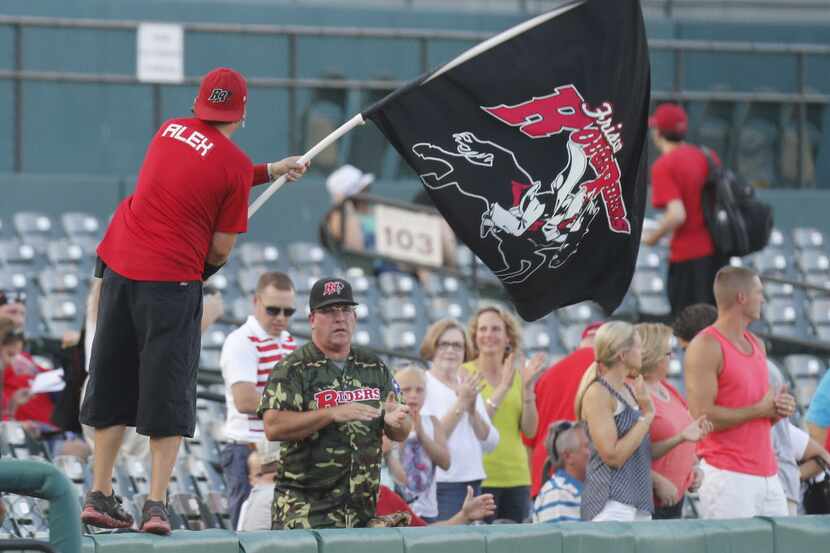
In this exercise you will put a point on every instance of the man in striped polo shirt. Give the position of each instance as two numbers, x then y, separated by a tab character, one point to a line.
248	355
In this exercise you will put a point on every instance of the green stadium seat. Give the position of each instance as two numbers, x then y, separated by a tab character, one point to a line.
284	541
677	536
740	536
458	539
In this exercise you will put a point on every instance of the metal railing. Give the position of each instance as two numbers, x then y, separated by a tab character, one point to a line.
802	98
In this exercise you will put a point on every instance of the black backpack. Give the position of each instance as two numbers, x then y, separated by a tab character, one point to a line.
739	223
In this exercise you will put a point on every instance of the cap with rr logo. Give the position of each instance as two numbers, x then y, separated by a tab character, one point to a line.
222	96
330	291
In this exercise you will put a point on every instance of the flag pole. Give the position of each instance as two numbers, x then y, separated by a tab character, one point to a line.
355	121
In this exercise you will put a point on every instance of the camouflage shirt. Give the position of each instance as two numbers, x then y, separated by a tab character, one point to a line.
330	479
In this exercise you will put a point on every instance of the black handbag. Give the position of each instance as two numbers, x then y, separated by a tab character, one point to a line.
817	494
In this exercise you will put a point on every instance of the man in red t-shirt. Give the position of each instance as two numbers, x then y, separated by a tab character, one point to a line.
171	234
555	395
677	180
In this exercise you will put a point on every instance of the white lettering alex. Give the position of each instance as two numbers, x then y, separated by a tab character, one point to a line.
194	139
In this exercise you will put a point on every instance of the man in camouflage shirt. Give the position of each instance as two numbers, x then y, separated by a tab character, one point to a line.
329	404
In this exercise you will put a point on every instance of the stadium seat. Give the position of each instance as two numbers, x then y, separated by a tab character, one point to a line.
812	261
138	470
803	365
29	516
649	258
806	238
818	311
193	514
446	308
780	311
400	336
75	469
770	261
12	280
248	278
8	530
777	239
65	254
33	228
217	504
805	389
59	308
15	253
819	280
218	281
58	281
656	305
241	307
305	254
584	312
258	254
778	290
209	359
647	282
570	336
80	224
214	338
394	309
396	284
536	337
440	285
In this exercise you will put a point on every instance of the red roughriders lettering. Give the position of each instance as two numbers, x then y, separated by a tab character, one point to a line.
594	130
333	398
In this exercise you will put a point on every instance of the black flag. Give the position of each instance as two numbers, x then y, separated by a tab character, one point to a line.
533	151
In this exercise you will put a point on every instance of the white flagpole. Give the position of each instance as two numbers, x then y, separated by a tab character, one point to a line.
308	156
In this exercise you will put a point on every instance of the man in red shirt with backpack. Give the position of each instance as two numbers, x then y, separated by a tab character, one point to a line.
677	179
175	231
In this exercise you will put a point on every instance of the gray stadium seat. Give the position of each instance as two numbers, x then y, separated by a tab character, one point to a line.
649	258
16	253
60	308
396	284
241	307
778	290
33	228
440	285
537	337
219	281
80	224
820	280
209	359
805	389
303	254
258	254
780	311
57	281
583	312
12	280
394	309
192	512
813	261
777	239
818	311
804	238
248	278
29	516
65	253
770	261
803	365
138	470
648	282
214	338
656	305
446	308
400	336
570	336
75	469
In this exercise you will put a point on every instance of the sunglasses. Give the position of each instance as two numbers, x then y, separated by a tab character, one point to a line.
276	311
12	297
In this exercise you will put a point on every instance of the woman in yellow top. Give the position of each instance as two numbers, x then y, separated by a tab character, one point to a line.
511	403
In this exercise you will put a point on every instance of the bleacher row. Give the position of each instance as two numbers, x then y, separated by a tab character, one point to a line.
51	260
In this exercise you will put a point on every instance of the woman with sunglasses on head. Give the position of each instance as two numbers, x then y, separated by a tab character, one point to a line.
618	416
510	399
453	397
563	473
674	431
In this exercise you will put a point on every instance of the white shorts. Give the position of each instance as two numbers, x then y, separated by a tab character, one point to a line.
614	510
728	494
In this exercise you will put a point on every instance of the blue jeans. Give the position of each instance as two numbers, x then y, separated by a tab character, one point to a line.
235	468
451	497
511	503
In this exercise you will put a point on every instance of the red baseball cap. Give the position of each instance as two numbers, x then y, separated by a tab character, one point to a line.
222	96
669	118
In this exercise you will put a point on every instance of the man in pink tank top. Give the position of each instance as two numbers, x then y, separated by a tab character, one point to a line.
726	380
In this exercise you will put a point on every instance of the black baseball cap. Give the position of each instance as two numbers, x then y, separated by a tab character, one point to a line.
330	291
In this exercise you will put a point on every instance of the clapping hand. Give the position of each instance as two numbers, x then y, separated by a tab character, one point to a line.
477	508
469	388
697	429
396	414
532	370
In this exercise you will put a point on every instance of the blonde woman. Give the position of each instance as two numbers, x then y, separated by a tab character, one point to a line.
453	397
673	432
495	340
618	479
